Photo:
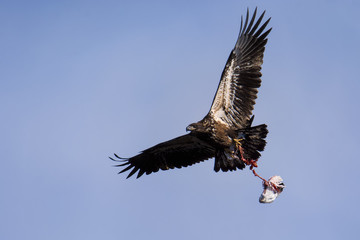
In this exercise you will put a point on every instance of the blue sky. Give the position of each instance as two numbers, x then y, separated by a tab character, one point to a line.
80	80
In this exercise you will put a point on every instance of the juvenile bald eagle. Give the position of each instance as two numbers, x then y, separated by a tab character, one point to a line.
225	132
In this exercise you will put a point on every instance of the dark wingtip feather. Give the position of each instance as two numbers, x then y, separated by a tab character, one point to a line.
140	173
118	156
262	28
251	22
132	172
265	34
241	25
257	23
127	168
246	20
119	159
124	164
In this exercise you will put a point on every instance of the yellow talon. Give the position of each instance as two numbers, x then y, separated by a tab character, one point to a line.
238	141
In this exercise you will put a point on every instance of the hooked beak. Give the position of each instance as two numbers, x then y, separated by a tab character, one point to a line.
190	128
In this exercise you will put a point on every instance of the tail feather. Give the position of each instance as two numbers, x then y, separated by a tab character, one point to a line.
226	162
253	142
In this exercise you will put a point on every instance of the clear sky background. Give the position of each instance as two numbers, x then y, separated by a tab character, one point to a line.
80	80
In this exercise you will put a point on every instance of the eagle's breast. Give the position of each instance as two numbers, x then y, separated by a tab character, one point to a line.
221	134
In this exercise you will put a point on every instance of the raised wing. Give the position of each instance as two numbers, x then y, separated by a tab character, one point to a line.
235	97
179	152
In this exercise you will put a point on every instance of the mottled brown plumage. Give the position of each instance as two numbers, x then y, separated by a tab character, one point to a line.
227	126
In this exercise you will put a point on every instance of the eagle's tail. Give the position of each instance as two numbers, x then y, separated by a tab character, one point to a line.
252	141
227	161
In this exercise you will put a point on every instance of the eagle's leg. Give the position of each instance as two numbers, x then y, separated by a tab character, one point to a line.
252	163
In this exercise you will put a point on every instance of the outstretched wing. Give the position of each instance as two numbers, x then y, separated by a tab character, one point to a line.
179	152
235	97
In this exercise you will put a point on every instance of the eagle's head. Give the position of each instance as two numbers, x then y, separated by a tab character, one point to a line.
197	127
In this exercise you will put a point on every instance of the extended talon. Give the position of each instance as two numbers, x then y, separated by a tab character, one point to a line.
238	141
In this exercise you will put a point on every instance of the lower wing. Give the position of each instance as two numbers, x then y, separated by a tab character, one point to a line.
179	152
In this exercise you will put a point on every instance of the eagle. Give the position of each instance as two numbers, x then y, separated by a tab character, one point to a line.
226	132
